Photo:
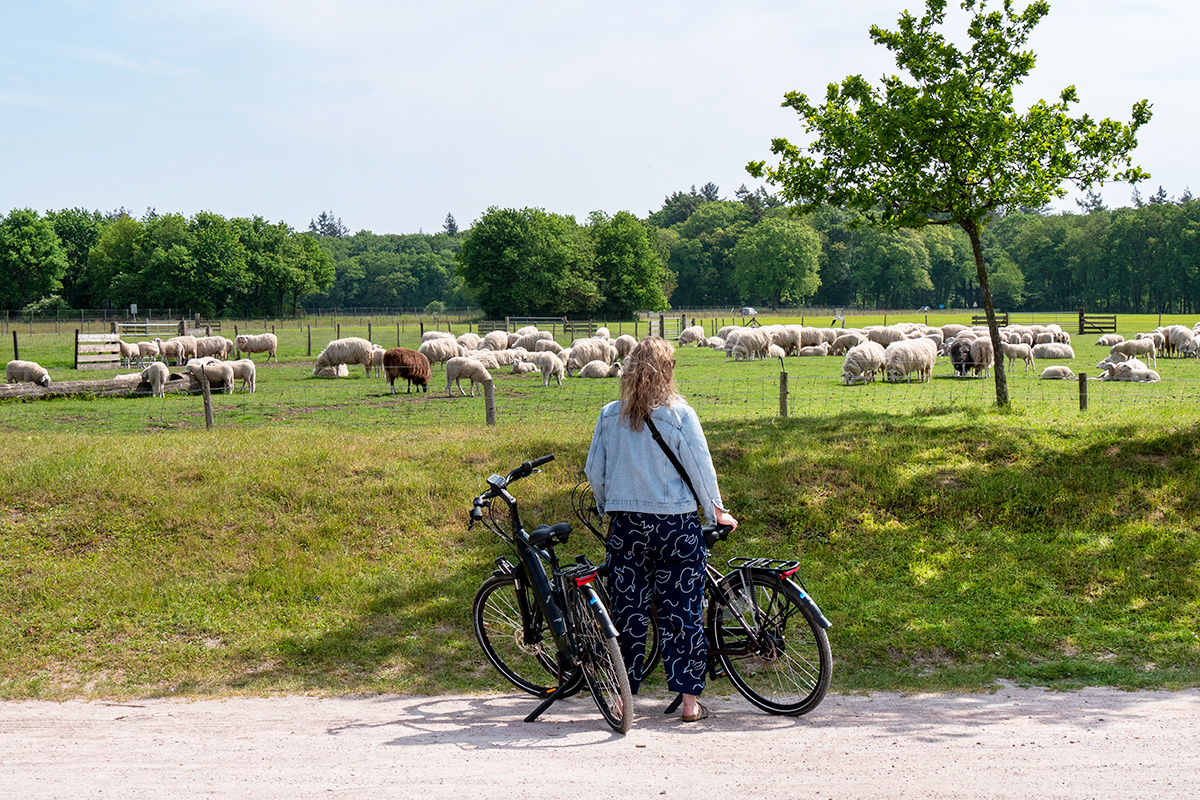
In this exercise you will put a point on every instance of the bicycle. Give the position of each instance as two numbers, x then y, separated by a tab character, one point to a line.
538	612
765	632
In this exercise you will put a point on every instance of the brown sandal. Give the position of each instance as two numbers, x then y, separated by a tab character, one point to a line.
701	713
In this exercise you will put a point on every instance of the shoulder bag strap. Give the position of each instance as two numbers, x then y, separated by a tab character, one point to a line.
674	460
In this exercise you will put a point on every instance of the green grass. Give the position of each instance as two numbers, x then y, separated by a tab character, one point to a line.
315	540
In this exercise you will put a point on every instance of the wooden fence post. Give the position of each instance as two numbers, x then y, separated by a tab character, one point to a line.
16	351
310	339
783	394
489	402
1083	391
370	338
208	412
76	348
397	334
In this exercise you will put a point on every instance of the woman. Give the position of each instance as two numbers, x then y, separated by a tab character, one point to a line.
655	545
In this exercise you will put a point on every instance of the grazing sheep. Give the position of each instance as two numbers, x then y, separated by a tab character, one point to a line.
188	346
332	371
400	362
170	349
907	356
129	353
496	340
26	372
692	335
585	350
1058	373
602	333
1176	338
243	370
439	351
352	350
550	366
862	362
884	336
1022	351
431	335
258	343
210	346
843	343
147	351
960	356
217	372
983	356
469	340
156	375
548	345
1055	350
458	368
528	341
952	330
715	342
600	369
491	359
1109	339
751	344
377	360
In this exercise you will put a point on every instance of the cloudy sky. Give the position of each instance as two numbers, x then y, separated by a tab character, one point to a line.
393	113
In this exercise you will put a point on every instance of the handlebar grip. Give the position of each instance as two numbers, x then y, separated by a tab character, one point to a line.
537	462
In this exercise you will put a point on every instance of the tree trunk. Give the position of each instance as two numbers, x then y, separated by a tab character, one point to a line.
993	329
120	386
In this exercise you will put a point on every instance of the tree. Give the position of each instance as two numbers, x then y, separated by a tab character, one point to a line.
710	192
676	208
328	225
450	227
946	146
32	262
629	271
777	261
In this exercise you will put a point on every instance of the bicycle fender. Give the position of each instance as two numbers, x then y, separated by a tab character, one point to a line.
803	597
601	612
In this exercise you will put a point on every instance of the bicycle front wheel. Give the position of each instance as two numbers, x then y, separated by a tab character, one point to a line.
600	657
771	645
525	659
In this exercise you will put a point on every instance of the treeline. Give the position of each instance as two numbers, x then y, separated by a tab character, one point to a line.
698	250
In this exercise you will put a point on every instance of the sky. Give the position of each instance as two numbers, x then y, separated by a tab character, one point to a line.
392	114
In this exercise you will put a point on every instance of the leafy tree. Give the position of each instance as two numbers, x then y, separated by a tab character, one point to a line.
891	267
32	261
676	208
703	256
450	228
77	230
527	262
629	270
116	260
946	146
777	261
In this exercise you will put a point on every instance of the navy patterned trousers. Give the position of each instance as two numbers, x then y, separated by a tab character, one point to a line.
659	557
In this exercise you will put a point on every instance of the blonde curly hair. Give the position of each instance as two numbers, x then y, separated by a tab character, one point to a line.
647	380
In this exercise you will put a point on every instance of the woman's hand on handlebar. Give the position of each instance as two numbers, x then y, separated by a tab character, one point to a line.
724	518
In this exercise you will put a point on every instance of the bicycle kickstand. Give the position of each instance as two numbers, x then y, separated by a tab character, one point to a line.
551	697
674	704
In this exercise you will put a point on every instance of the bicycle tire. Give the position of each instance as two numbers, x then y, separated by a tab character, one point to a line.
789	671
600	658
496	615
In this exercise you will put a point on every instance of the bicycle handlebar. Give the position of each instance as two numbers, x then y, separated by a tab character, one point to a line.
498	484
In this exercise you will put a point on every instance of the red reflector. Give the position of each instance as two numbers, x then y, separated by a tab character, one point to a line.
789	573
584	581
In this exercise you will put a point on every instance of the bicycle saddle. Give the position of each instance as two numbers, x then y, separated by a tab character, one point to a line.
542	533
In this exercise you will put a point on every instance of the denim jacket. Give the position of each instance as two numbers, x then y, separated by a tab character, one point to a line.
628	471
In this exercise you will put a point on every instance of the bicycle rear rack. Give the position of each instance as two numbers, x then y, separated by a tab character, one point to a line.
771	564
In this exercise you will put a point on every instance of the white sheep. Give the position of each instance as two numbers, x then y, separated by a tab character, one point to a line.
1054	350
715	342
585	350
157	375
489	358
884	336
258	343
219	372
1022	351
550	366
524	367
1109	339
353	350
211	346
496	340
691	335
528	341
1176	338
431	335
907	356
170	349
600	369
439	351
862	362
147	351
843	343
26	372
377	360
602	333
469	340
624	344
548	345
1132	371
751	344
243	370
458	368
1058	373
822	349
187	346
983	356
332	371
775	351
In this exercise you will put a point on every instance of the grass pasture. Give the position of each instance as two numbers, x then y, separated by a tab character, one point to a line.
314	541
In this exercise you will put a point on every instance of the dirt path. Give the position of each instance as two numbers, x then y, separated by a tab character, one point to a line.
1015	743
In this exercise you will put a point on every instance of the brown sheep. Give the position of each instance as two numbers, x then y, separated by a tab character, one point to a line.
400	362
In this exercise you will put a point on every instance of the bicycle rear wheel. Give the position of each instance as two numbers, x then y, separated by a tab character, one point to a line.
771	645
526	662
600	657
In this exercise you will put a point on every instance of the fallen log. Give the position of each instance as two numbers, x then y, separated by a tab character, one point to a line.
130	385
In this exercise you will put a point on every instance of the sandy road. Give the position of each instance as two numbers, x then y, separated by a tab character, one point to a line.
1014	743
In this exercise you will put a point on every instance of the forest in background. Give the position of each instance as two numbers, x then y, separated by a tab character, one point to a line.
699	250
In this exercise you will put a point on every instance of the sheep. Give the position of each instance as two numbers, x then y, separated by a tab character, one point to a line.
600	369
458	368
431	335
983	356
210	346
751	344
1054	350
214	371
715	342
332	371
377	360
1137	347
439	351
691	335
187	346
585	350
351	350
1109	339
26	372
549	345
952	330
1058	373
524	367
960	356
496	340
905	357
1176	338
1114	358
243	370
170	349
602	333
469	340
489	358
129	352
1022	351
156	375
862	362
849	339
529	341
550	366
1132	371
258	343
884	336
147	350
822	349
775	351
401	362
